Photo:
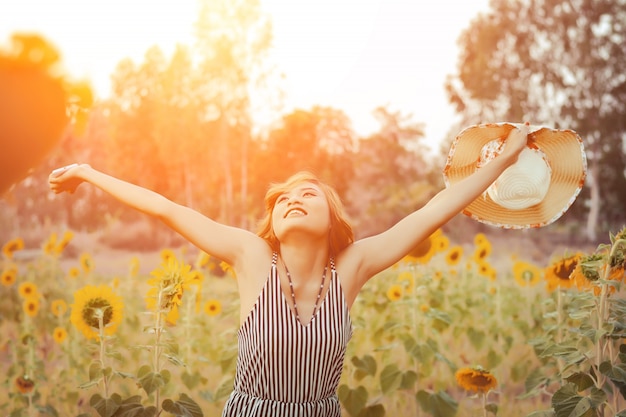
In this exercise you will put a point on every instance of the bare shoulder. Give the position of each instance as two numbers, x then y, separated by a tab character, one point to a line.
255	256
252	270
349	265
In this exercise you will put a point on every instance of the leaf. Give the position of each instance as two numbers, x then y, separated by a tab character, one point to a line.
409	378
89	384
567	403
477	338
105	407
132	407
353	400
95	370
377	410
191	381
185	407
175	360
224	390
390	379
547	413
581	379
365	366
151	382
438	405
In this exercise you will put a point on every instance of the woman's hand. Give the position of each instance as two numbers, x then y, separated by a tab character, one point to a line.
66	178
515	143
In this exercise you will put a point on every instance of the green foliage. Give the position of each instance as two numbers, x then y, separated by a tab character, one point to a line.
437	405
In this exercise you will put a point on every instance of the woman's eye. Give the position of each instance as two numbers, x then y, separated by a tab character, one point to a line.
309	194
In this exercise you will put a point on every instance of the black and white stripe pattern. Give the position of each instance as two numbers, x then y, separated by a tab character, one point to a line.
285	368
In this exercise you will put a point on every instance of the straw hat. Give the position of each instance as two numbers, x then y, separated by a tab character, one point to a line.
533	192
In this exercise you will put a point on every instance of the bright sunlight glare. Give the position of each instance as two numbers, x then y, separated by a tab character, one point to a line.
353	55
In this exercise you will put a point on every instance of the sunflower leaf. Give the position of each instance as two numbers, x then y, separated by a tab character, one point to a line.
376	410
151	382
106	407
353	400
438	405
185	407
390	379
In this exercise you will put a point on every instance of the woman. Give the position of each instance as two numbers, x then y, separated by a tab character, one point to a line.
294	321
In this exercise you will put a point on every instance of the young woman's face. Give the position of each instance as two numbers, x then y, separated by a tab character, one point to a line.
304	208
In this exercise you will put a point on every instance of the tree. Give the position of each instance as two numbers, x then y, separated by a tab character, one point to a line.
558	63
392	177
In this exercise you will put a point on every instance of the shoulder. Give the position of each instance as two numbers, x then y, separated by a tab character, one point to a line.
349	267
253	261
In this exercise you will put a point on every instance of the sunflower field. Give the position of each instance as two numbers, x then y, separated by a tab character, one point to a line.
451	330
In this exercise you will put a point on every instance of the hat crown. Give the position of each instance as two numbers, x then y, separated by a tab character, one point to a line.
523	184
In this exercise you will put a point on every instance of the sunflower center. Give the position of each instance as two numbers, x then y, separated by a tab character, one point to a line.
480	380
96	308
565	269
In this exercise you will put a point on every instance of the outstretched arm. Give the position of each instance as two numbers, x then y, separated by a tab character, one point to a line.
222	241
373	254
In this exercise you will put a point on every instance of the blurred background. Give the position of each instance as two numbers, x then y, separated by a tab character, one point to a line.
209	101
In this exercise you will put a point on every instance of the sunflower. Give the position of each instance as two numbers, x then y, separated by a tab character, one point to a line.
425	308
31	306
213	307
94	305
86	262
73	273
408	281
203	260
454	255
12	246
426	249
590	269
9	276
50	244
475	379
481	239
526	274
226	267
558	273
24	384
27	289
485	269
168	282
59	334
482	251
167	254
442	243
395	292
65	240
58	307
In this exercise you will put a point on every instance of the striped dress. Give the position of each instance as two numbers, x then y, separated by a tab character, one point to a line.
285	368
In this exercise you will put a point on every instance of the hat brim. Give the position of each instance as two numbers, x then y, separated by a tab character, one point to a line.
564	152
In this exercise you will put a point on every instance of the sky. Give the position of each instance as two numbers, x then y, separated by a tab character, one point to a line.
352	55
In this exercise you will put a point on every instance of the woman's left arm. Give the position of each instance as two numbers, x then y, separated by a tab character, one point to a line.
378	252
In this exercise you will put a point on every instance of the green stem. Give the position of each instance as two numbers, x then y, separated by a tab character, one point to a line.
484	404
102	355
157	344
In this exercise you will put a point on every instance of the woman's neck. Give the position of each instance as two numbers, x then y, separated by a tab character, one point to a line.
304	260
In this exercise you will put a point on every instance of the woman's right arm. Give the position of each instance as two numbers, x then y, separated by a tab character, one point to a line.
224	242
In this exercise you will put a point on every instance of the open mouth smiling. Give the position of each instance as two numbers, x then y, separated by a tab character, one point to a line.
295	212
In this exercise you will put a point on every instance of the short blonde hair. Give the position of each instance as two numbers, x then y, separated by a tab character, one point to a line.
341	233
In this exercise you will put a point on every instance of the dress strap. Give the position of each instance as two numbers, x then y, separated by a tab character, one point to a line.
274	258
332	264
